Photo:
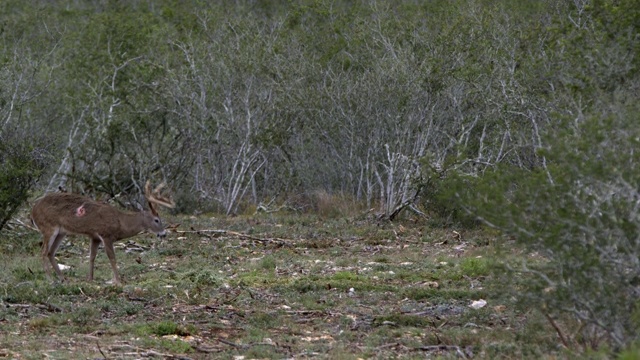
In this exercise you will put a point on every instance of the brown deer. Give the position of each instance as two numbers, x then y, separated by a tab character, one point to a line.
58	214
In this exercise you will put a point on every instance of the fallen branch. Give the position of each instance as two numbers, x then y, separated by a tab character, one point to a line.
278	241
21	223
50	307
206	350
100	350
43	305
557	329
253	238
193	231
245	346
239	346
136	352
390	345
305	312
153	353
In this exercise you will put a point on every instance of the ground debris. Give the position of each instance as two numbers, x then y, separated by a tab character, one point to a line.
213	233
124	349
465	353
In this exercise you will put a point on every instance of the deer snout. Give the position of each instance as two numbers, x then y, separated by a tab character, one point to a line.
162	233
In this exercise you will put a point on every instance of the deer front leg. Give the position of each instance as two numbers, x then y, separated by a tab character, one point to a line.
95	242
108	248
53	242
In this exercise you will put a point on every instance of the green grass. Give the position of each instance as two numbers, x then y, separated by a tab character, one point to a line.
335	289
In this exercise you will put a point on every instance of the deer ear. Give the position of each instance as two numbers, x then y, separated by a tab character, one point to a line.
152	208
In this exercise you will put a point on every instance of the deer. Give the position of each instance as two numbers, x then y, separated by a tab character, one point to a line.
59	214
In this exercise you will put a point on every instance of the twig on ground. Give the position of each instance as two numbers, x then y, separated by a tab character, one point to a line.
204	232
136	352
206	350
305	312
390	345
246	346
239	346
51	307
557	329
153	353
100	350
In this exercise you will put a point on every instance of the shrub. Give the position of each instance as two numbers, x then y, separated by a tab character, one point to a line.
580	217
23	160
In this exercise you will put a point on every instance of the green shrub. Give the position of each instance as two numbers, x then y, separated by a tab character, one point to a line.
165	327
23	160
475	266
203	277
578	218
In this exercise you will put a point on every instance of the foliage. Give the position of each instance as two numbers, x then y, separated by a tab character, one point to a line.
241	104
577	209
23	159
581	216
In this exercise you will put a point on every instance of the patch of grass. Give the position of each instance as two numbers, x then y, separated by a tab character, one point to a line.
380	267
412	276
24	293
268	263
256	277
84	315
163	328
475	266
119	308
344	276
262	351
203	277
26	274
45	323
343	280
172	251
632	353
317	243
312	302
403	320
172	346
166	328
263	320
435	294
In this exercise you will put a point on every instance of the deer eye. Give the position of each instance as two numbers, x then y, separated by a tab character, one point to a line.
156	220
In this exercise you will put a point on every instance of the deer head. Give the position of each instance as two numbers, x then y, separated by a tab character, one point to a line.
154	198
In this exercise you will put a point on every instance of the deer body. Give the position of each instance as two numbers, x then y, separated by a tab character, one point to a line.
59	214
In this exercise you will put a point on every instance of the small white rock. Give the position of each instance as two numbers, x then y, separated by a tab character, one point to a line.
478	304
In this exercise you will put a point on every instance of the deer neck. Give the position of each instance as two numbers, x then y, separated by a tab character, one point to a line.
131	224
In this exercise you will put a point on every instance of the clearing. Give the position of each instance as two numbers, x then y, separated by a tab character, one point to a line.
268	286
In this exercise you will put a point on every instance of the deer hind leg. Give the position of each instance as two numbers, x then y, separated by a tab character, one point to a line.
45	253
51	242
95	242
108	248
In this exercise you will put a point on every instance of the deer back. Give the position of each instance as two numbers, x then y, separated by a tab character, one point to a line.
79	214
